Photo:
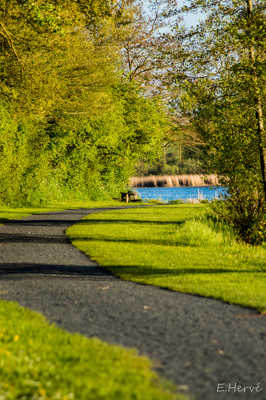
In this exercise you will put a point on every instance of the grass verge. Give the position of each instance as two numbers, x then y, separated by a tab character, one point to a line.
171	247
39	361
16	213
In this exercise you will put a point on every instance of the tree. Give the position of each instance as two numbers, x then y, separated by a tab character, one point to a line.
252	15
222	87
69	121
143	40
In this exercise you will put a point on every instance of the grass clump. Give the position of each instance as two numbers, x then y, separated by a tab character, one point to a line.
175	247
42	362
196	233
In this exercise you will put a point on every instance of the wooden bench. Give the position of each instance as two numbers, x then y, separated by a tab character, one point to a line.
129	196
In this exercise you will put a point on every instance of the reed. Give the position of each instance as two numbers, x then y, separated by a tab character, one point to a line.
174	180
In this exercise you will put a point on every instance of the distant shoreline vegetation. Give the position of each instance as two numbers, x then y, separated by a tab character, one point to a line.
174	180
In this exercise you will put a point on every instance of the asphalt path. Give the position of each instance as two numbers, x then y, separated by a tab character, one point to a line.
211	349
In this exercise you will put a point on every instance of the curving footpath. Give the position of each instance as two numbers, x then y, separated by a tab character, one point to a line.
197	343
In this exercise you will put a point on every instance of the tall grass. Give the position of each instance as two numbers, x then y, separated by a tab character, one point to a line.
174	181
196	233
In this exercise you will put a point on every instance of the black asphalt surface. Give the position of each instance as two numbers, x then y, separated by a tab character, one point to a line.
197	343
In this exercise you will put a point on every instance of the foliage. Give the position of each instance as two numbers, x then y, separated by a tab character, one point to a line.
178	248
71	124
228	128
223	95
244	215
175	159
150	51
144	39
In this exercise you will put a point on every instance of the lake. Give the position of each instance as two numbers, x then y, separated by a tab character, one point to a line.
180	193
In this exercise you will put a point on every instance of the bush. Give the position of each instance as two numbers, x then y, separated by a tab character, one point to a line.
244	212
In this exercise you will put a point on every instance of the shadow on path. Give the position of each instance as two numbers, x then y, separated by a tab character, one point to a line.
56	222
22	269
199	342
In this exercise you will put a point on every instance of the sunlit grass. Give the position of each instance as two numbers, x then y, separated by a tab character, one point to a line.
40	361
172	247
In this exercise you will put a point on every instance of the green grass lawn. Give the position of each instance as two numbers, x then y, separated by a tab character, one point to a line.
171	247
39	361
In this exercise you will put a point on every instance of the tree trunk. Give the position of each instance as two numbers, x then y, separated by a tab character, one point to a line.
259	111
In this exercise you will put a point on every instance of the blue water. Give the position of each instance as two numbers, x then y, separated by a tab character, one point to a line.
180	193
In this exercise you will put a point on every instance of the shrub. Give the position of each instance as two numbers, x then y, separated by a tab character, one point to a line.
244	212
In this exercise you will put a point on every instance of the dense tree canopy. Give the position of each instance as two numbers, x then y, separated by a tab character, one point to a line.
71	124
